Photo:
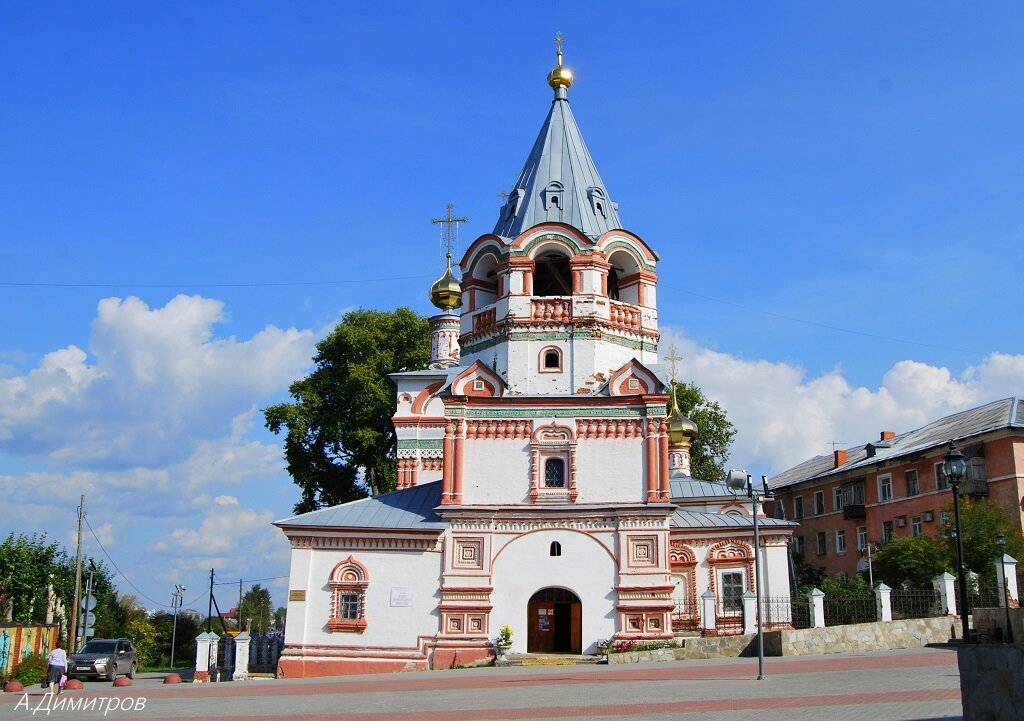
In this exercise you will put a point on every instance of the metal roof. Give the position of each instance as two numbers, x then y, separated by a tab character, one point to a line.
559	164
694	488
1005	413
701	519
408	509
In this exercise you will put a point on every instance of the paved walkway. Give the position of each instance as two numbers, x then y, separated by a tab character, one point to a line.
918	685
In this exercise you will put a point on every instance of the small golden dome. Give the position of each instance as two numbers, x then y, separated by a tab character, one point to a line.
446	293
560	77
680	428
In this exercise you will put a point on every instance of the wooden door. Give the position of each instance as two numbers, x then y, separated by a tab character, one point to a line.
576	635
540	636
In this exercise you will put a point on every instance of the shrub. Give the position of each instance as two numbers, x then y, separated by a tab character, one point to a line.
31	670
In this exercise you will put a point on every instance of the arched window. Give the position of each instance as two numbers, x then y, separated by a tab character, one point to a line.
348	597
556	548
550	360
554	473
552	275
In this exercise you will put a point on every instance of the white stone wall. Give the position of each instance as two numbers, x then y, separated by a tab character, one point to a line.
523	565
496	471
611	470
387	625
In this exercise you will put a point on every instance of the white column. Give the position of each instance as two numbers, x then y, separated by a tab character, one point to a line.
817	600
883	602
1006	568
707	612
749	612
206	644
945	586
241	657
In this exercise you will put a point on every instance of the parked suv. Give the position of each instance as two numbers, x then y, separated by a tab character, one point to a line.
104	658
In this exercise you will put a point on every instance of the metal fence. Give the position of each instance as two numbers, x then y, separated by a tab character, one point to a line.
686	616
845	608
800	611
778	612
984	596
915	603
264	652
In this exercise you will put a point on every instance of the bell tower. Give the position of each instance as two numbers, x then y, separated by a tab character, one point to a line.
558	295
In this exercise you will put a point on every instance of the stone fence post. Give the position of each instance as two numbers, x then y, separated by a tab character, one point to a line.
708	613
749	612
1006	568
817	600
206	649
241	657
883	602
945	586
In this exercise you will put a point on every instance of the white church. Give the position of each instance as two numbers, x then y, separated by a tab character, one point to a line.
543	469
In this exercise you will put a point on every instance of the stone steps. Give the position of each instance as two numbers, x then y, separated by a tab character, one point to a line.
550	659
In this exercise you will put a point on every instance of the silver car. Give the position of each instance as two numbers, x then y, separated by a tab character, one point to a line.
104	658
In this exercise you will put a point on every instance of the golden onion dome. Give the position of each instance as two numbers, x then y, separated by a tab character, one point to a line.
446	293
680	428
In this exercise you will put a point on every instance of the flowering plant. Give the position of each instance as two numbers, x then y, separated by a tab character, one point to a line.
505	635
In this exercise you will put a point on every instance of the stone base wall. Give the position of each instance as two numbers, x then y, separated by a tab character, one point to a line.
987	620
882	636
991	683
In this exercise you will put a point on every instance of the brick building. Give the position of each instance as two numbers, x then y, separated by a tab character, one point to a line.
894	486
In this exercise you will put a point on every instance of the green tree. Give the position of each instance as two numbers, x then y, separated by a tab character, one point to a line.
981	522
29	568
710	449
916	560
280	616
340	443
256	610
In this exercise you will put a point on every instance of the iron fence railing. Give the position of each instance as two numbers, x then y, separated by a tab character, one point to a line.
915	603
686	616
984	596
777	612
845	608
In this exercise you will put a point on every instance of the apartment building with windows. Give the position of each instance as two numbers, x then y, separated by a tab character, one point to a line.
894	486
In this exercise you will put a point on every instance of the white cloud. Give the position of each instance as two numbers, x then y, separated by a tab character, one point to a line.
783	417
157	386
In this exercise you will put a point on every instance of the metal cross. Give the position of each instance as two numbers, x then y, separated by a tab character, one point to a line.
451	230
558	45
672	359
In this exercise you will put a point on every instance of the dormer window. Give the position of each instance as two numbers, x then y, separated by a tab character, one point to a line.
598	202
515	199
553	196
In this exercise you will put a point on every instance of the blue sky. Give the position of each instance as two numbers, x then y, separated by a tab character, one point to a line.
192	193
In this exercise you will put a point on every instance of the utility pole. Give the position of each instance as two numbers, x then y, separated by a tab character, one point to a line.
73	628
209	605
238	619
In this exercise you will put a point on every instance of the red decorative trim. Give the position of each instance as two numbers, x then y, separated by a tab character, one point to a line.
424	396
545	228
463	383
595	428
618	383
611	235
497	429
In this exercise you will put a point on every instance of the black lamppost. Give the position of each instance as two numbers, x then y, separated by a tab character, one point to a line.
1001	540
738	481
954	468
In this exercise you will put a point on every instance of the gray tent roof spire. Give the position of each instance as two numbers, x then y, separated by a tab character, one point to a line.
559	182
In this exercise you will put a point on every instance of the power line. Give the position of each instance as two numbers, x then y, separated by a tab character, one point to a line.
127	580
248	580
826	326
284	284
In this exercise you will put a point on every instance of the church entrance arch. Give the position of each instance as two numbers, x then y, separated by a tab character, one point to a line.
555	622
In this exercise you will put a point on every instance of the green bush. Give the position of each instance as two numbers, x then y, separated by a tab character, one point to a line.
31	670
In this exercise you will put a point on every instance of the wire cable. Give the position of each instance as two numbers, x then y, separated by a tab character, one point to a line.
284	284
127	580
816	324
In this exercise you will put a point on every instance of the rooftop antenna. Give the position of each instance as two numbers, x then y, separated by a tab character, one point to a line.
450	231
837	444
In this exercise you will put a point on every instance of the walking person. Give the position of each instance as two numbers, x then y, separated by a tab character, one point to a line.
56	667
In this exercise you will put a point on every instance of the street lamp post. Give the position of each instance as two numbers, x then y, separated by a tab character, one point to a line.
954	468
175	604
740	481
1001	540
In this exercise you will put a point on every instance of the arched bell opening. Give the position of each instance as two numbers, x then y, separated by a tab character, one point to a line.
552	275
